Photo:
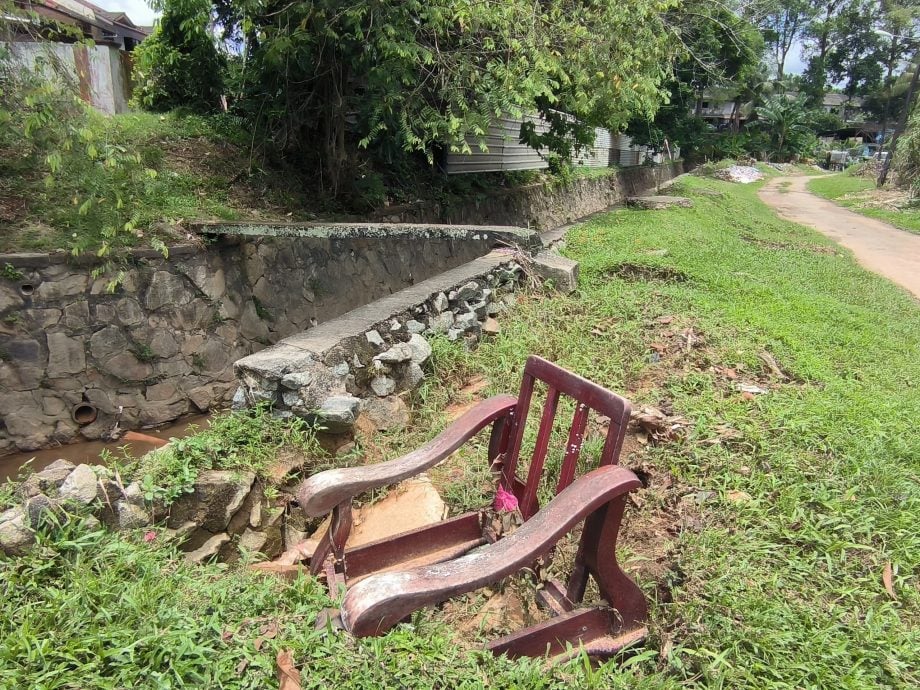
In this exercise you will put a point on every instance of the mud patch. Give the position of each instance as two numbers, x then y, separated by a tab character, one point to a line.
635	273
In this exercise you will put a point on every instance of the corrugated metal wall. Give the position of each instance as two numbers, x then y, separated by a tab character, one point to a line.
505	152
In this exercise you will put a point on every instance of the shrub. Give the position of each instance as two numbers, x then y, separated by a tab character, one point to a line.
178	66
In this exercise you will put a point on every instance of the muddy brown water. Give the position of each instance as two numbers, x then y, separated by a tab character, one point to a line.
89	452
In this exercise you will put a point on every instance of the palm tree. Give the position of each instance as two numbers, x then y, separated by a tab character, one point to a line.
787	122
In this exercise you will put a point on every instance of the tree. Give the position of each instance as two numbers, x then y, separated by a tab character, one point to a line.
787	123
718	50
325	79
782	23
820	32
855	58
179	65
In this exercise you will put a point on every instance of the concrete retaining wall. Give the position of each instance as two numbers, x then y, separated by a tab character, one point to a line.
163	344
542	207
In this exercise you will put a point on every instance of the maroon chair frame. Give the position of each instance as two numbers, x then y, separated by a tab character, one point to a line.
387	580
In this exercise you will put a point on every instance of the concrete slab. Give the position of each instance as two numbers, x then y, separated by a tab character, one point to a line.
551	265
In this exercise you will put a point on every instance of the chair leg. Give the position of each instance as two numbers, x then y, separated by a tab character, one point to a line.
332	544
597	556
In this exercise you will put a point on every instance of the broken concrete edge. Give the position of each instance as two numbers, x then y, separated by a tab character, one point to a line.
497	234
330	373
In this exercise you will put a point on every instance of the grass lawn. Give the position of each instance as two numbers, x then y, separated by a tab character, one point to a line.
763	537
856	194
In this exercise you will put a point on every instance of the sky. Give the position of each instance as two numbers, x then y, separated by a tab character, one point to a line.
137	10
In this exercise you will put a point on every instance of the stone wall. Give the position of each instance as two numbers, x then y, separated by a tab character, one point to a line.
539	206
75	359
363	361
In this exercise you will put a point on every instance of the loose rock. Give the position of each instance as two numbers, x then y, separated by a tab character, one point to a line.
383	385
16	537
387	413
80	486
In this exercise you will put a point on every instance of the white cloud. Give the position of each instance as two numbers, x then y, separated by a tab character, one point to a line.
137	10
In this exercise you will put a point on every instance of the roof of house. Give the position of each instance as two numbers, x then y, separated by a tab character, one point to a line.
84	11
835	99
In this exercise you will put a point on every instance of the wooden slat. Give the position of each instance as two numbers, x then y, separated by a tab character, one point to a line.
535	473
573	447
323	491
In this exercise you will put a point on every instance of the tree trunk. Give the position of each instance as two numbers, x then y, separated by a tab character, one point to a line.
902	122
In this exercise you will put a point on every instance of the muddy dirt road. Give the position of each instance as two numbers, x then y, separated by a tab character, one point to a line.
878	246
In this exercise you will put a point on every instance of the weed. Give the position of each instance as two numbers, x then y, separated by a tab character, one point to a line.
10	272
143	353
261	311
245	441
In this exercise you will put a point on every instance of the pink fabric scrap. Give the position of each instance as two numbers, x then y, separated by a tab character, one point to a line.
505	501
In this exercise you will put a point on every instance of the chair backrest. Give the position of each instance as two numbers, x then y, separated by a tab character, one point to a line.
588	396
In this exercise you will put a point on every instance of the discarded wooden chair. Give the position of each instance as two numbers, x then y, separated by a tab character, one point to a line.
387	580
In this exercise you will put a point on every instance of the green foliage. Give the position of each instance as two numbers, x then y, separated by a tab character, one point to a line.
787	123
325	79
178	66
246	441
10	272
48	128
907	155
720	51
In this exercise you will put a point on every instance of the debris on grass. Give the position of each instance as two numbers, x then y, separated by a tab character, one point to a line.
288	675
742	174
657	426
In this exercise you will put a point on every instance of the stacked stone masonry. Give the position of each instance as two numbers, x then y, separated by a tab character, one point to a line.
225	514
350	366
76	359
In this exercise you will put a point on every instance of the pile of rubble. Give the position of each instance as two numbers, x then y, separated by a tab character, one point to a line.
331	378
224	514
743	174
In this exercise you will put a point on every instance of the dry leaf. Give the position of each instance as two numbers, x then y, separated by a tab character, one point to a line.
738	496
241	667
258	643
665	319
887	580
288	675
767	359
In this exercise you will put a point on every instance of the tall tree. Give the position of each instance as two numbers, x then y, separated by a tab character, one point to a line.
782	22
819	34
855	58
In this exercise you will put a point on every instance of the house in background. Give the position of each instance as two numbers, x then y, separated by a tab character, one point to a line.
102	70
720	106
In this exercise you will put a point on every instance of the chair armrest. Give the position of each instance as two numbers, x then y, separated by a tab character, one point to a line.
378	602
323	491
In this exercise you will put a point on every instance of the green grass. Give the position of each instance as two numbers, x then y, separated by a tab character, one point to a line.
783	590
839	188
